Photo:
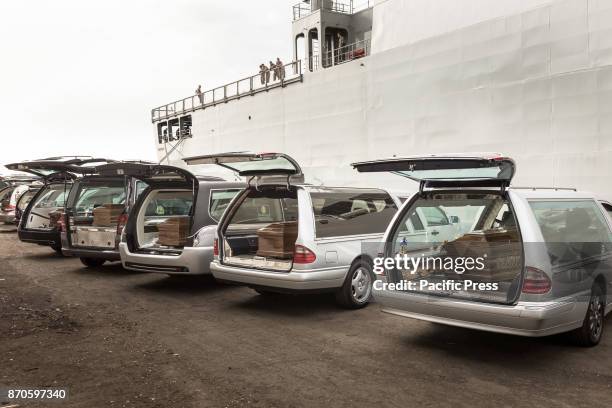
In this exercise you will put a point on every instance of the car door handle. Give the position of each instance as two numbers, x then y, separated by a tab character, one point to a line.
435	232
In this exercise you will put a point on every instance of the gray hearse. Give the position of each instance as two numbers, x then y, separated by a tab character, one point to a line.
282	235
11	190
172	225
41	221
542	257
96	212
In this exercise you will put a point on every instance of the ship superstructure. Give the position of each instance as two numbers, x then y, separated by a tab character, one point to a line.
529	78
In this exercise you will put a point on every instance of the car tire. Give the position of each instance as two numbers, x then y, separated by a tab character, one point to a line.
591	331
92	262
356	291
57	248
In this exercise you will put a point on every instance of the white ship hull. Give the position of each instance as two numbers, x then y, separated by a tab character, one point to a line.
535	85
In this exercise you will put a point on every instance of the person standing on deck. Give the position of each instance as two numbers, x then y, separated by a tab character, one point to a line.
267	70
262	73
281	69
274	70
200	94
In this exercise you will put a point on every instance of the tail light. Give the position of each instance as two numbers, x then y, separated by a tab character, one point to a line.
536	281
303	255
60	225
121	223
216	247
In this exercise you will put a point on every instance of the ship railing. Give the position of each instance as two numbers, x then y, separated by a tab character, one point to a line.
261	82
341	55
302	9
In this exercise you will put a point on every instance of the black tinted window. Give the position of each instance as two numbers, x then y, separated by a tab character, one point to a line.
352	212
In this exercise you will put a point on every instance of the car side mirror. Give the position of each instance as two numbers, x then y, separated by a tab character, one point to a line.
453	219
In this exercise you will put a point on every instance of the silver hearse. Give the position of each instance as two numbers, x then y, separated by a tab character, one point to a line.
173	195
41	221
281	235
545	254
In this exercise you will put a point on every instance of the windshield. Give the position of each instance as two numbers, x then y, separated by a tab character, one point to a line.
260	209
219	200
460	238
52	196
25	199
169	203
91	196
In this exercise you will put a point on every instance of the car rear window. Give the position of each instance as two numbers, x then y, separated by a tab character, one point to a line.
572	230
352	212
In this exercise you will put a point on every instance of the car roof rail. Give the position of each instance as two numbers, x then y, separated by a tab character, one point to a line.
544	188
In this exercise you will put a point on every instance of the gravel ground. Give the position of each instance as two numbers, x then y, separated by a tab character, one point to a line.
120	339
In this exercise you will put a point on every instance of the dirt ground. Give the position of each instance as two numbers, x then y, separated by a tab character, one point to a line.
120	339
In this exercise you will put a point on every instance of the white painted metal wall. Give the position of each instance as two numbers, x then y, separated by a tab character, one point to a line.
401	22
536	85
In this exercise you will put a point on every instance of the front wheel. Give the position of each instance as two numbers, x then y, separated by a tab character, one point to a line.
356	291
591	331
92	262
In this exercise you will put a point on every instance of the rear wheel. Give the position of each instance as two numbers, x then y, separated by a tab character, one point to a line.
92	262
357	289
590	333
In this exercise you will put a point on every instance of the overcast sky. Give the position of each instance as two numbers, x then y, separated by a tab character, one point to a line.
81	77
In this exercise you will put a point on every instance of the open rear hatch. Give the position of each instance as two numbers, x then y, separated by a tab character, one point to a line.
56	168
164	215
261	226
459	237
453	170
57	173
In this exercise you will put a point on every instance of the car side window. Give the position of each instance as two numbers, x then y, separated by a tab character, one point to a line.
572	230
351	212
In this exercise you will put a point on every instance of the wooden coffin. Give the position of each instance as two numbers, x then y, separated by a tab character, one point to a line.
277	240
174	232
107	215
501	249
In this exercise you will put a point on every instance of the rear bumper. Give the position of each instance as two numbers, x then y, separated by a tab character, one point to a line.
192	261
108	255
49	238
532	319
326	278
7	218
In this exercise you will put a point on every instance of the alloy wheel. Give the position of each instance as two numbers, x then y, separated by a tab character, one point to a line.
595	317
361	285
